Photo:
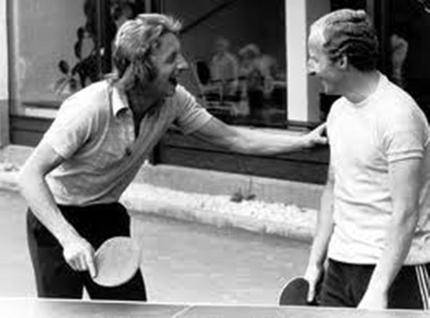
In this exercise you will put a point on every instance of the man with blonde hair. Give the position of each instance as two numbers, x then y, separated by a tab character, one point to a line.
96	145
373	228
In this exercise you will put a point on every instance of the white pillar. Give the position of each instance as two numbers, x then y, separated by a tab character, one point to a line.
297	82
148	6
4	77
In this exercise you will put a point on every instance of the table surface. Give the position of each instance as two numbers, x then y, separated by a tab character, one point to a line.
32	307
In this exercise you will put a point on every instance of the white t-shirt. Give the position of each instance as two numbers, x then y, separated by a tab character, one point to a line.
364	139
94	132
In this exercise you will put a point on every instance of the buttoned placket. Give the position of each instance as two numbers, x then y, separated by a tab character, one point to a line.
125	119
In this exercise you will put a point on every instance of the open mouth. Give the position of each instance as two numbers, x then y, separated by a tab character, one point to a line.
173	80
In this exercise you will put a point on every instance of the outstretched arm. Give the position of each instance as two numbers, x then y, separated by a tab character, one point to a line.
257	142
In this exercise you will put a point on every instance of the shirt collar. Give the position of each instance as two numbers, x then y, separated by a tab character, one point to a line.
119	101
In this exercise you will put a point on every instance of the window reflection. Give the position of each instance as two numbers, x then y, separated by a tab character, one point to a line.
410	48
61	46
237	58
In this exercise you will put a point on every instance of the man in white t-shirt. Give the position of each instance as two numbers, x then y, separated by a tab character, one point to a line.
373	230
97	143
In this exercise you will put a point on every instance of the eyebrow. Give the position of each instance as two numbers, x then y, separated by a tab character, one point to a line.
172	56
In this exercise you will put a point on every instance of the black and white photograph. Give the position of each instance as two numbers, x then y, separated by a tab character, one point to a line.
215	158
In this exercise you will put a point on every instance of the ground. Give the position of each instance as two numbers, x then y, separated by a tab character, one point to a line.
181	261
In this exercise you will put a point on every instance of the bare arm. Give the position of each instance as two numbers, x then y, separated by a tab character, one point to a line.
35	190
256	142
40	199
405	186
322	237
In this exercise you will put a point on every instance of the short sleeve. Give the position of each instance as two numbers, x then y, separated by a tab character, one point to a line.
70	129
405	134
332	115
190	114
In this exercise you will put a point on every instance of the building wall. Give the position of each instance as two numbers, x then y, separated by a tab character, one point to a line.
295	37
4	77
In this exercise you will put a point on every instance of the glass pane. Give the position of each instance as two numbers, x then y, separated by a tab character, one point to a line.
351	4
410	48
59	48
43	36
237	58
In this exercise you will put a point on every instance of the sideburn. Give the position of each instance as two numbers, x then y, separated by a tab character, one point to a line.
145	71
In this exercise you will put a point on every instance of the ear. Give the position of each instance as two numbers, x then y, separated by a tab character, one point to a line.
157	31
342	62
127	79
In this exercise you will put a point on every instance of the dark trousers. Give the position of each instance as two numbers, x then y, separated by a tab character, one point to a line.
54	277
344	285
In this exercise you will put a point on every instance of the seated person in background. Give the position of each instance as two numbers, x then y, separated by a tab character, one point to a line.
122	11
253	62
257	71
224	67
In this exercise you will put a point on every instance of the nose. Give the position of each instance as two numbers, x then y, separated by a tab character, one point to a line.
311	68
182	64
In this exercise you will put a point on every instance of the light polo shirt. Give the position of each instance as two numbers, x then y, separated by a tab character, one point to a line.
94	133
365	138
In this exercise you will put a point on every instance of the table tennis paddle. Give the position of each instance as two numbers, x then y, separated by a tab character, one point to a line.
295	292
116	260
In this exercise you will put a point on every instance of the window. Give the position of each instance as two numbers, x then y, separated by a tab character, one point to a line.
237	58
58	47
409	48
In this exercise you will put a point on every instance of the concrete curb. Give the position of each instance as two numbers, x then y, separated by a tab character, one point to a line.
281	219
8	181
260	217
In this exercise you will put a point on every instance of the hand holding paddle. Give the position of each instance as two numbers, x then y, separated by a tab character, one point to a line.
313	275
79	254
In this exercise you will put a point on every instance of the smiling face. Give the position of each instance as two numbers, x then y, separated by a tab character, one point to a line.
331	73
168	62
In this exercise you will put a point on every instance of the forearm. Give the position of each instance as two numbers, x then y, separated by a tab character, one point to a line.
405	188
399	237
319	246
40	199
323	231
259	142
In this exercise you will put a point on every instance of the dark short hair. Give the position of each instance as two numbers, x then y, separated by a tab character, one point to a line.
350	33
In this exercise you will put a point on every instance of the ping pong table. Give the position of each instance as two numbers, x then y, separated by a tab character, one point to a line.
46	308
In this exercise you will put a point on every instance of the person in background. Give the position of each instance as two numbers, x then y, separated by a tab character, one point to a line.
224	67
98	141
399	52
373	229
257	72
